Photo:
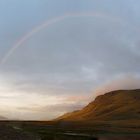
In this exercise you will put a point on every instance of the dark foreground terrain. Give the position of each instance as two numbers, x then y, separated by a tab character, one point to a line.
112	116
17	130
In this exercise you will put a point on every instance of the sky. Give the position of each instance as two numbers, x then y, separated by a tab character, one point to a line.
57	55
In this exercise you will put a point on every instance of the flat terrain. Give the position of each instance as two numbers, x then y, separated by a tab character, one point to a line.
25	130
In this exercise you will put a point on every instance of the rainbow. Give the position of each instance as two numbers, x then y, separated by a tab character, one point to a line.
46	24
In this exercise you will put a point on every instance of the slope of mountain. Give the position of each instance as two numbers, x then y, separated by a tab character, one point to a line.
121	105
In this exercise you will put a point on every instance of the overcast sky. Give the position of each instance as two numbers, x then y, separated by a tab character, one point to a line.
56	54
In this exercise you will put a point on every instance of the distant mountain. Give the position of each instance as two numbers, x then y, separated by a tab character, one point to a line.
116	106
3	118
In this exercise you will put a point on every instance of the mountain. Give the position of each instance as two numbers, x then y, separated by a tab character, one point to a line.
116	106
2	118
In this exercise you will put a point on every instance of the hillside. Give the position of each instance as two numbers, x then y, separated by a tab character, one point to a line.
121	105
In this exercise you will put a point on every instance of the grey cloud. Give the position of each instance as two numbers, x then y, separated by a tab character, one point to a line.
56	59
122	82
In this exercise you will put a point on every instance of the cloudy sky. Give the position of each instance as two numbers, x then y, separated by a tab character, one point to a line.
57	55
